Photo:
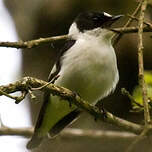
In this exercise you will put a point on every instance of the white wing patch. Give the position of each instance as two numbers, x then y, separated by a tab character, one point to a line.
106	14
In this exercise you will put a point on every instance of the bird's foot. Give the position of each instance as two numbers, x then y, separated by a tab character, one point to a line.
74	95
55	78
70	104
102	110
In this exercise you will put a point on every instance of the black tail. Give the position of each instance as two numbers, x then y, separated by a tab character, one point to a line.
34	142
60	125
36	139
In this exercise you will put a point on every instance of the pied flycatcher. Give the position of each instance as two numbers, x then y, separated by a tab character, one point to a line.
86	65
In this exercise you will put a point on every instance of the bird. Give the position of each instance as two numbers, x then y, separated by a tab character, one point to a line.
87	65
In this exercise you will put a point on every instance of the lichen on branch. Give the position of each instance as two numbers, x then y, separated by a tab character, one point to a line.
27	83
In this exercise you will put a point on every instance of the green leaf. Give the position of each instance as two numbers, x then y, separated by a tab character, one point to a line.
137	92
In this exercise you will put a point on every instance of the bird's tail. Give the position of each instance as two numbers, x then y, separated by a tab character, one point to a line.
34	142
65	121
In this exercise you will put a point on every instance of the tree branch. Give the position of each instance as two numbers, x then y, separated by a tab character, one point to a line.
141	64
135	18
138	138
28	82
142	83
128	23
26	132
40	41
33	43
125	92
70	133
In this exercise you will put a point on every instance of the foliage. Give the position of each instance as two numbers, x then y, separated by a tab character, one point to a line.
137	92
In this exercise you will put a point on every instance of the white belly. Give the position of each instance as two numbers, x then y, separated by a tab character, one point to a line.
90	72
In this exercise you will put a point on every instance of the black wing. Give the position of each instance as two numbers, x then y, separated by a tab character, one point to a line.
68	45
36	139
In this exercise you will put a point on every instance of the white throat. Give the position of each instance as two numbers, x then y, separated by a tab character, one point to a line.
102	34
73	31
91	59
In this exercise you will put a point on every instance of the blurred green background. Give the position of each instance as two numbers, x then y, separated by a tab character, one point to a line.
41	18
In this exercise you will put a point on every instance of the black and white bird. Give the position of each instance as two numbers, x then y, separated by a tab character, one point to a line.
86	65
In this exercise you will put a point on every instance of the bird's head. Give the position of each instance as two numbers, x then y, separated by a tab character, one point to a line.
90	21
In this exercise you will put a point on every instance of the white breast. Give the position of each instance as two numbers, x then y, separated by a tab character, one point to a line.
89	68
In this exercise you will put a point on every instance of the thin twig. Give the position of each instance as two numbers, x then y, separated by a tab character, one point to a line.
33	43
66	94
137	140
71	133
135	18
142	83
52	81
26	132
21	97
96	134
128	23
141	76
7	95
125	92
33	97
141	64
133	29
17	99
37	42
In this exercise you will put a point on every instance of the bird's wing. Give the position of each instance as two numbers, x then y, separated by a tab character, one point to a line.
44	124
56	70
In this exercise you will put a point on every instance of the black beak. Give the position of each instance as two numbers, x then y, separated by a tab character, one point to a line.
115	18
111	20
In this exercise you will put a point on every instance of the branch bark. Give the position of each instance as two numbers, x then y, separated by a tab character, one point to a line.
33	43
142	83
128	23
141	64
70	133
137	139
28	83
40	41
